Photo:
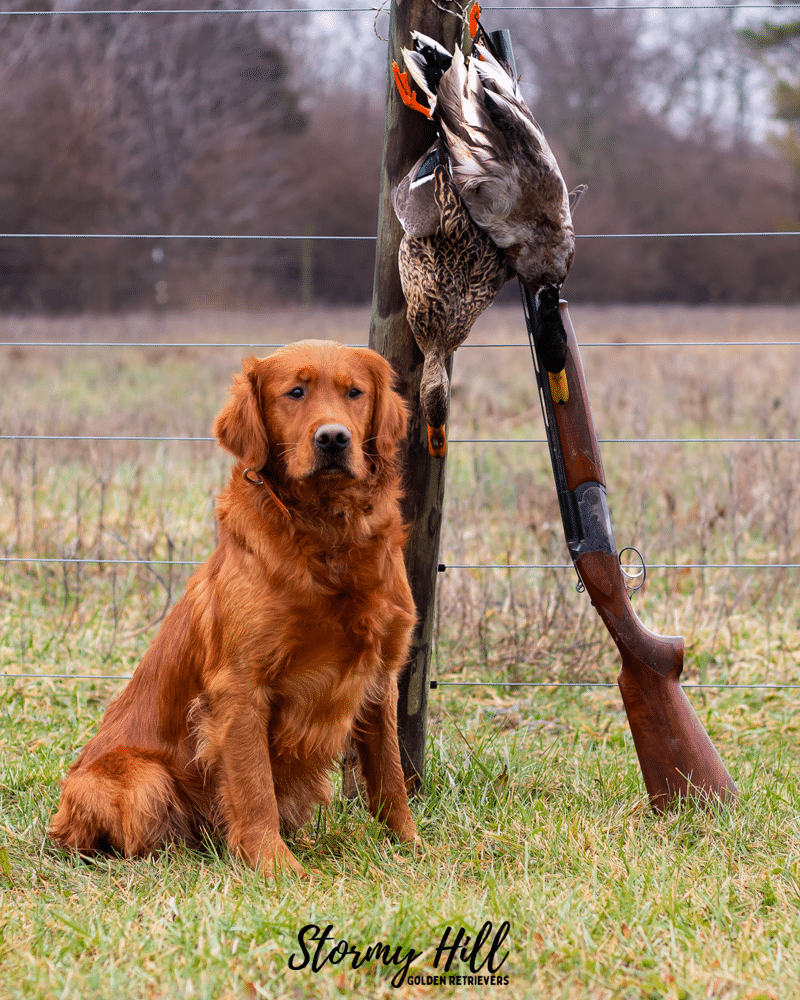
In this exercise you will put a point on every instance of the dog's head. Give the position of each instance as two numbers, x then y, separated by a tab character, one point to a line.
314	409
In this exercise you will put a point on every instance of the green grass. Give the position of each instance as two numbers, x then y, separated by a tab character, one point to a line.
533	810
543	827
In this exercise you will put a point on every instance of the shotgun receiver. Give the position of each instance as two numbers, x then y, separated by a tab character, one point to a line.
675	753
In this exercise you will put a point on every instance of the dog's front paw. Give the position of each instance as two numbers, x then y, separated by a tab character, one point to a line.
271	857
280	862
277	859
402	825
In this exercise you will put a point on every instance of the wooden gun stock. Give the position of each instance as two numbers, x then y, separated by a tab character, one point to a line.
676	755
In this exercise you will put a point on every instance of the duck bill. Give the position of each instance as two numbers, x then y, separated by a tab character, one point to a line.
437	441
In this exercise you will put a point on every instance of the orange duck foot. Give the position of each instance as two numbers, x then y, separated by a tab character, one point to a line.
474	17
437	441
559	388
407	95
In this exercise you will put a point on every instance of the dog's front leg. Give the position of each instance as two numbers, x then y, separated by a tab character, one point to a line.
246	786
375	738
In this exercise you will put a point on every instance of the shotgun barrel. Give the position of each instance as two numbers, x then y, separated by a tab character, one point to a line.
675	753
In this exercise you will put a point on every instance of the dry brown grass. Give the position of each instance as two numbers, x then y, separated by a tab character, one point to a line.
678	503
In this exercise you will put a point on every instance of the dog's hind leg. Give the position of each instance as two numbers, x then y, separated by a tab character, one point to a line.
125	801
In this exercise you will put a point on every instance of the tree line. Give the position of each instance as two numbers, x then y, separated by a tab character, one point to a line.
244	125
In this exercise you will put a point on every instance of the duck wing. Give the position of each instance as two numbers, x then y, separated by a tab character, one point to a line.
414	199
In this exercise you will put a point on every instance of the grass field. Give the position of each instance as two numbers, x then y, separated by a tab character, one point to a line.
534	811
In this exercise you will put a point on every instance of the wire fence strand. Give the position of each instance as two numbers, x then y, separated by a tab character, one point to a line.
384	9
370	239
442	567
435	684
604	684
188	439
464	347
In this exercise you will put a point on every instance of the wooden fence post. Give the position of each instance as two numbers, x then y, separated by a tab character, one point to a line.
407	135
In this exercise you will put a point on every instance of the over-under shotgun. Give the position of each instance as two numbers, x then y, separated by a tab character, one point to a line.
675	753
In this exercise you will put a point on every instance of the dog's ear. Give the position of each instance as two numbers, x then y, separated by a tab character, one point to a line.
239	426
389	411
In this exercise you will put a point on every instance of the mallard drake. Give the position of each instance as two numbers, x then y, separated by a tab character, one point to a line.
450	271
504	171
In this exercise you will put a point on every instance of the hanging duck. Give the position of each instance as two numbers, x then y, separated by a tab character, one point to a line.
504	171
450	272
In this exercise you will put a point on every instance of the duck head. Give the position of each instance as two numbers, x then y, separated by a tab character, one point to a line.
434	396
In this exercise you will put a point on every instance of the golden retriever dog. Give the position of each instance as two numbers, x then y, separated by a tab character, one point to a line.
288	639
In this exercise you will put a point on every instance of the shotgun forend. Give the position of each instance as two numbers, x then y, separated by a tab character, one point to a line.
676	755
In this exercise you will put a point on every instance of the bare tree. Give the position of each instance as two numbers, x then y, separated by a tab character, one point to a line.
778	44
234	123
145	124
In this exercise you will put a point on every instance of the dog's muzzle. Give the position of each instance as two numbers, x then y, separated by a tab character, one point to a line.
332	439
332	445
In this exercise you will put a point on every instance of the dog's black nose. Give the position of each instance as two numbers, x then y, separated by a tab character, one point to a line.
332	438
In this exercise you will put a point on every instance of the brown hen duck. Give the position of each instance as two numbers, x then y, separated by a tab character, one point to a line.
450	271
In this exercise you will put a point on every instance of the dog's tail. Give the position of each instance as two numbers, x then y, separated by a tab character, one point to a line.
126	801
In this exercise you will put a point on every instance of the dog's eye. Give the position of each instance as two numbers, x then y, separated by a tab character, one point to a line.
297	393
354	393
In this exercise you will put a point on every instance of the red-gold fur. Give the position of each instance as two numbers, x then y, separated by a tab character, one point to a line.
288	639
